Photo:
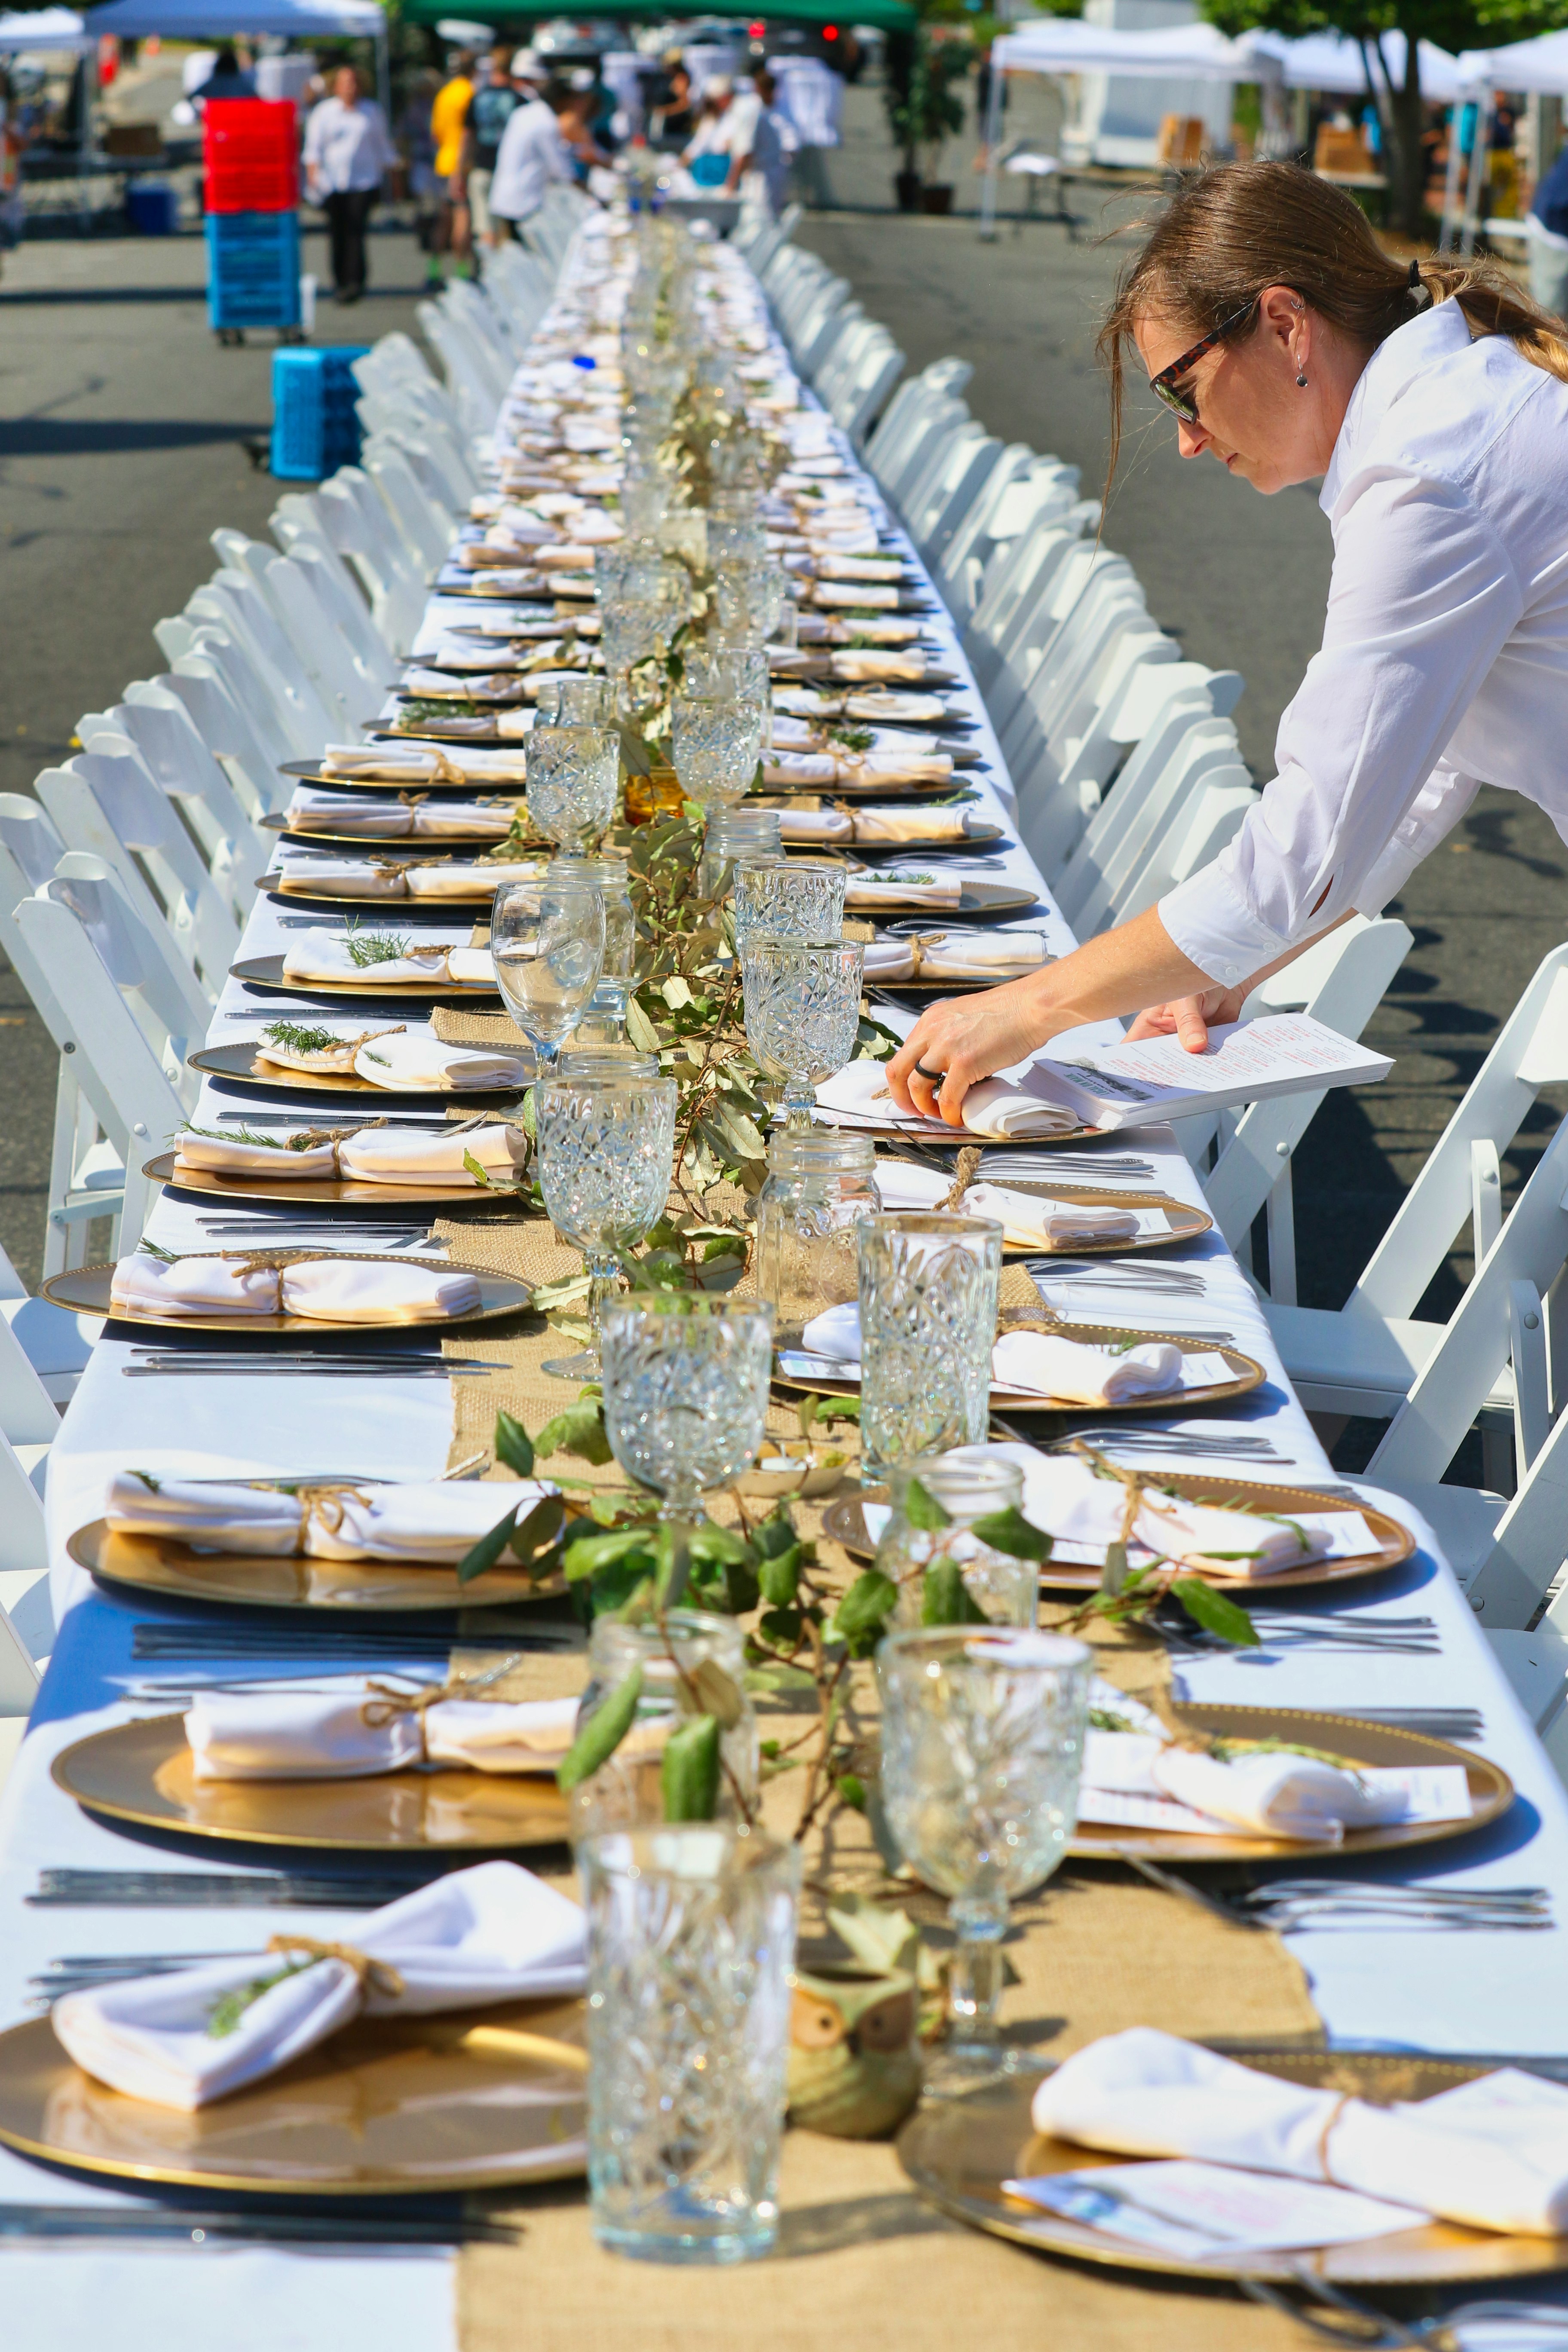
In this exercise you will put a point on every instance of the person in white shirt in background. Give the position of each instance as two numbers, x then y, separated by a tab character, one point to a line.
711	137
348	152
761	145
531	152
1432	399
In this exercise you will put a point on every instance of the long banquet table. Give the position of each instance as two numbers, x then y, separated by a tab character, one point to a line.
1492	1992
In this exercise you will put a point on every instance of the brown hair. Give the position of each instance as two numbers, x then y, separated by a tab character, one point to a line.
1238	227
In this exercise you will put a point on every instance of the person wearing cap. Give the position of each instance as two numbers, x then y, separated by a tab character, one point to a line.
489	110
533	152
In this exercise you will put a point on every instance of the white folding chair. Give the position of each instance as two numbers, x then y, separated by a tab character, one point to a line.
1069	630
920	454
228	706
967	465
426	529
355	516
1023	492
233	602
1020	576
1185	741
320	608
902	417
153	726
111	808
469	379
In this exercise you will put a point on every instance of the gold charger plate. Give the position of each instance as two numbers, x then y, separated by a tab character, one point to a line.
1491	1790
338	1191
310	772
332	902
143	1773
266	972
844	1522
245	1580
242	1064
390	2107
958	2152
379	844
85	1290
1247	1375
953	1139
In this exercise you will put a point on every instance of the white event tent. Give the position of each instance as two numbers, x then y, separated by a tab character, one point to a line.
43	29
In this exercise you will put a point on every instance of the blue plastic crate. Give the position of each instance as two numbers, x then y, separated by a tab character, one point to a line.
315	429
253	269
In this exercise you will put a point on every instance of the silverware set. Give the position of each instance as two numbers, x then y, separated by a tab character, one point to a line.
176	1642
1018	1167
213	1890
1140	1439
1462	1724
1281	1629
203	1363
1115	1274
162	2225
1286	1904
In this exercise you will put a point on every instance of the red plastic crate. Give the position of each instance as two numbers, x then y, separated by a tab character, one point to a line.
250	155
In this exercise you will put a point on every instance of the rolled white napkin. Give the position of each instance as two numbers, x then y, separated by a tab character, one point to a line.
422	764
413	1155
437	820
1038	1223
1085	1513
881	707
879	769
1275	1796
358	1732
342	877
316	811
1044	1365
325	955
834	1333
487	685
191	1286
233	1155
1492	2154
858	1095
874	596
433	1523
957	955
917	824
471	968
858	665
885	568
463	878
414	1061
785	766
491	1934
945	891
336	1057
815	824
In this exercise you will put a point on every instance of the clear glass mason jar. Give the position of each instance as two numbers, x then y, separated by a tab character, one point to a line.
968	1488
604	1021
819	1188
736	833
626	1792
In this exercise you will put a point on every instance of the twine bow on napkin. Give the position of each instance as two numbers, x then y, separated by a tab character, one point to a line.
371	1975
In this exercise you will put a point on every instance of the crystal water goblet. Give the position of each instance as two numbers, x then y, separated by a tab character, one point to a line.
981	1735
715	744
686	1392
606	1147
547	942
802	1011
929	1285
798	898
573	781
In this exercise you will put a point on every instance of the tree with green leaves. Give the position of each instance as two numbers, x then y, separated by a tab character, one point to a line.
1453	25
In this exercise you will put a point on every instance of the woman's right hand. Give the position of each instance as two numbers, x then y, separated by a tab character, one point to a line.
1189	1019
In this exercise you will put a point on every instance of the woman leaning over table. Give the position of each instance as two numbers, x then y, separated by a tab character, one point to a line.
1432	397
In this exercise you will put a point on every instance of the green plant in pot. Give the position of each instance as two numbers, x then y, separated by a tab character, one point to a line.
924	111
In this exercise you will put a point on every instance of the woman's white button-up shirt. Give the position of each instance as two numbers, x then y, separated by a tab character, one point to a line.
1444	657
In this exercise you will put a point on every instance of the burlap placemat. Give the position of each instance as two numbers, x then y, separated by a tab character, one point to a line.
456	1028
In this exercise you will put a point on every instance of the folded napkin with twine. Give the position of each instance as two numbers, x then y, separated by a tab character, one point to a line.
1034	1360
957	955
422	764
870	892
879	825
414	1061
464	878
371	1727
881	708
1492	2154
433	1523
319	812
872	595
1027	1220
331	956
342	877
858	1096
491	1934
375	1155
1084	1512
325	1289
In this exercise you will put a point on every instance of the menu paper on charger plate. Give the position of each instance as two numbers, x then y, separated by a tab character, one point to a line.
1201	2212
1131	1085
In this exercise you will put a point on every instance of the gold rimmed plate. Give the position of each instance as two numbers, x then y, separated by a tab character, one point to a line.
266	972
144	1772
333	1192
480	893
85	1289
845	1523
981	838
980	901
246	1579
959	2152
377	845
390	2107
244	1066
309	772
1245	1373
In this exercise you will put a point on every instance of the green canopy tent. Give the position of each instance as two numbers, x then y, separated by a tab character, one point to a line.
887	16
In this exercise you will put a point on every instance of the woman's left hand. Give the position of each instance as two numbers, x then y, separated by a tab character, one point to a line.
964	1039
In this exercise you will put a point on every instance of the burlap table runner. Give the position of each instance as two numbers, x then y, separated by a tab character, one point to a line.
1093	1953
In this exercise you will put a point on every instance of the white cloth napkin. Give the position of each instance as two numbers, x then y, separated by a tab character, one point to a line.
356	1732
435	1523
1492	2153
324	955
881	707
957	955
462	878
1044	1365
491	1934
1039	1224
325	1289
318	811
858	665
834	1333
875	596
422	764
859	567
858	1095
471	968
415	1061
412	1155
230	1155
887	767
945	891
435	820
1277	1796
342	877
1067	1497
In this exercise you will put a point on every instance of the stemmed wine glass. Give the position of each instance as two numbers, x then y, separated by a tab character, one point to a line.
982	1732
802	1010
606	1147
547	943
686	1392
716	742
574	776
